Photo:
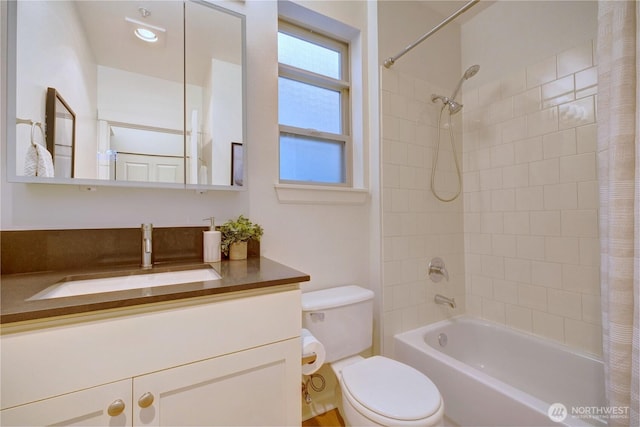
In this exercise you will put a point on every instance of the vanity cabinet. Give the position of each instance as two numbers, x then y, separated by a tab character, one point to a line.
81	408
211	361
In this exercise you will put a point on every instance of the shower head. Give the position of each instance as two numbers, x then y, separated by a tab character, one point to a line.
454	106
471	71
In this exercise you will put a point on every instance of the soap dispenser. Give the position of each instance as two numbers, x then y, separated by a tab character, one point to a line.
211	240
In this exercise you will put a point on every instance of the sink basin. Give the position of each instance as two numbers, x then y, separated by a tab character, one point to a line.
122	283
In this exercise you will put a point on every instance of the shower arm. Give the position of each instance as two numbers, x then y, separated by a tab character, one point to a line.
392	59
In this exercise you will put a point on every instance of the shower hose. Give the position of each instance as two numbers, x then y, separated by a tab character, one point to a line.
435	160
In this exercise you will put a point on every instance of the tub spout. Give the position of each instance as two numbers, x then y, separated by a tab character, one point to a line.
440	299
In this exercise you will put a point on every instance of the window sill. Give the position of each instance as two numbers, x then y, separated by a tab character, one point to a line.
320	195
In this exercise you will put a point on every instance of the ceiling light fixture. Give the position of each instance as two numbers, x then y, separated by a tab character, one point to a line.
146	32
146	35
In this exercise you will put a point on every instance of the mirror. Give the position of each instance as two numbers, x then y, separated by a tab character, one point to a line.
156	89
214	72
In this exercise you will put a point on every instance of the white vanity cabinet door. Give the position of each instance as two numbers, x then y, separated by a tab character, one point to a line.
256	387
88	407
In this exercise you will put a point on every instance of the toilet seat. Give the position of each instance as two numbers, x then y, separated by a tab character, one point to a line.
387	391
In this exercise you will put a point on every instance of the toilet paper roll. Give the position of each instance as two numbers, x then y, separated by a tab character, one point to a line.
310	345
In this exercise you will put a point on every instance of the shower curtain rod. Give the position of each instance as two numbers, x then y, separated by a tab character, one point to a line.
392	59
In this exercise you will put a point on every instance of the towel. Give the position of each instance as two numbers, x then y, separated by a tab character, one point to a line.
38	162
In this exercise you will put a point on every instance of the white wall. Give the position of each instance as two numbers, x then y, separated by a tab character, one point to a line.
225	117
437	59
138	99
510	35
531	191
416	226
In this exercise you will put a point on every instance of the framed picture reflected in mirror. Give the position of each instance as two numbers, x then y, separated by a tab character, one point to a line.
61	133
237	164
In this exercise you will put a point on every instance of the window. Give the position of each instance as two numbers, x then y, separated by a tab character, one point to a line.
313	107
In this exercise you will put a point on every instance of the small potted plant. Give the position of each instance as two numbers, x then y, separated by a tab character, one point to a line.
235	235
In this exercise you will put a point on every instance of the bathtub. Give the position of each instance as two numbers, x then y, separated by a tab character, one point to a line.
490	375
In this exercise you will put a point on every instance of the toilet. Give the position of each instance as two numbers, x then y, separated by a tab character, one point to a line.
376	391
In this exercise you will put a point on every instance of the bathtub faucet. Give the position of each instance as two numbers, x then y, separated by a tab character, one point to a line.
439	299
437	270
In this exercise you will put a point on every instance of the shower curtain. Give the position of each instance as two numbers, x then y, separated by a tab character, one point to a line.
619	175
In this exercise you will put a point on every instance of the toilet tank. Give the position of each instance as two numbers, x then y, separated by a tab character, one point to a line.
340	318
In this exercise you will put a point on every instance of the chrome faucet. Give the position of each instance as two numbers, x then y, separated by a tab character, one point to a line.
440	299
437	270
147	230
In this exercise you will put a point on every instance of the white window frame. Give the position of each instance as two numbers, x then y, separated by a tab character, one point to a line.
341	85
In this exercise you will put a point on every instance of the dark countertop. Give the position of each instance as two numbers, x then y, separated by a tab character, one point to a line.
252	273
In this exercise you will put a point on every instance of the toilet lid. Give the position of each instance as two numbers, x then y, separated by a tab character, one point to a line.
391	389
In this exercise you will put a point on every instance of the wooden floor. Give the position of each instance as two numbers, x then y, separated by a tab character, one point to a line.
328	419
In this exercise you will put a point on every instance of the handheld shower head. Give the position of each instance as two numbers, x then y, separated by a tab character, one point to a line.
471	71
451	103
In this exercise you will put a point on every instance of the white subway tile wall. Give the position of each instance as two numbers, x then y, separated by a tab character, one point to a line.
417	227
531	200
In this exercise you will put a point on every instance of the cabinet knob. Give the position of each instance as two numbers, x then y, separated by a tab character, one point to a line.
116	408
145	400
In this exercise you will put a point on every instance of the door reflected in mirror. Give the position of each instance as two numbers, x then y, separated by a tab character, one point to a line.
157	88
